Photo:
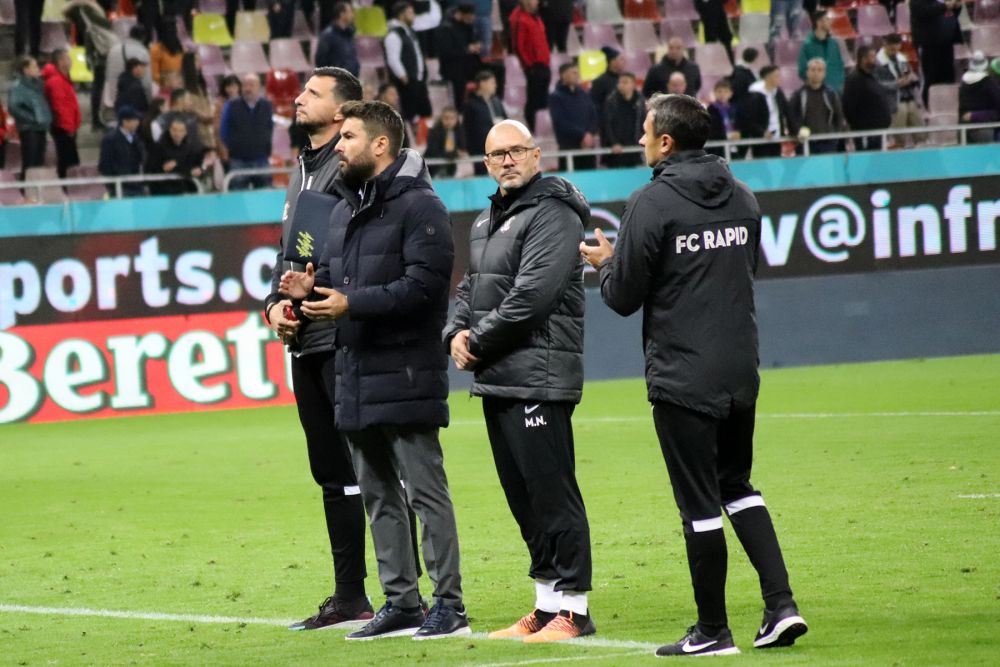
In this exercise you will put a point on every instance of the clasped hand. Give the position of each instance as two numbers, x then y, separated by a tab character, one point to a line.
300	284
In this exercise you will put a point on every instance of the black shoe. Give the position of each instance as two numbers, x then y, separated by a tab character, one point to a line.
780	627
696	643
337	612
390	621
444	621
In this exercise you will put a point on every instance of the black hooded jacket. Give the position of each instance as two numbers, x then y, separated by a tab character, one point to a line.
522	297
390	253
687	253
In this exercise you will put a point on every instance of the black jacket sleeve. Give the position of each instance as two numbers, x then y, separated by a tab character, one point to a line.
627	276
462	316
549	257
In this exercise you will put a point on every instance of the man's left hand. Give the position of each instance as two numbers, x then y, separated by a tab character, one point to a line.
596	254
333	307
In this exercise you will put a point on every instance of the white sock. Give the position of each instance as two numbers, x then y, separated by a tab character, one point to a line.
575	601
547	598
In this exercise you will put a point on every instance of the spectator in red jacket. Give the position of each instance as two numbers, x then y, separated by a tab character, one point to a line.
531	46
3	136
65	110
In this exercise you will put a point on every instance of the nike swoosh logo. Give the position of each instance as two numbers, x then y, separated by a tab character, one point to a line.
528	409
762	629
688	647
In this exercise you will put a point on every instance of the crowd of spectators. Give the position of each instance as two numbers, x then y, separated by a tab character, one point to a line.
166	117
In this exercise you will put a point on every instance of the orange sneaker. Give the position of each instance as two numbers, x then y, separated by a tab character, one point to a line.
527	625
566	625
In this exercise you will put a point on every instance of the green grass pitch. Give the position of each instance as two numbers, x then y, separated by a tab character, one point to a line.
883	480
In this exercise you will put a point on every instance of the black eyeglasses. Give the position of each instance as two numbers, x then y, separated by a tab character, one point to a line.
517	153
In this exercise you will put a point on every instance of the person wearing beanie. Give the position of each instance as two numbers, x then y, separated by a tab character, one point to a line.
607	82
979	99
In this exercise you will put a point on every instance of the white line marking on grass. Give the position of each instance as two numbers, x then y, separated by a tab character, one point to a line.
146	616
541	661
596	642
612	419
978	496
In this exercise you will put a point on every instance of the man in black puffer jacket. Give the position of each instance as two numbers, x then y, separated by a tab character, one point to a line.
390	254
686	253
518	324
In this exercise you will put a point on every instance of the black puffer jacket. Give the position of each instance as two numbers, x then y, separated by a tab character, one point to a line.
522	297
317	169
686	253
391	255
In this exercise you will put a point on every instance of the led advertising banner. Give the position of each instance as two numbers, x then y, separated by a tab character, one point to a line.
168	320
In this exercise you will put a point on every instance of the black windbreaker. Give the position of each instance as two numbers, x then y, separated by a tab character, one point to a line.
522	297
687	254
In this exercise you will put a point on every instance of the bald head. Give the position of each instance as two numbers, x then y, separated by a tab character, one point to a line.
675	49
251	87
676	84
511	155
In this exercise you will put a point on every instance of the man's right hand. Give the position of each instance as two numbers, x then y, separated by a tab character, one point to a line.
298	284
464	360
283	328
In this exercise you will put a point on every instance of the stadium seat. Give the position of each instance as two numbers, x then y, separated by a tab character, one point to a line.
52	10
790	81
840	24
713	59
252	26
281	142
85	192
543	125
943	98
53	36
903	18
986	38
369	50
757	6
671	27
733	9
573	46
287	54
786	52
7	17
79	71
370	21
597	35
986	11
640	36
638	64
122	25
300	26
942	138
602	11
440	96
126	7
556	60
761	47
593	63
845	54
873	21
515	75
433	66
514	96
680	9
805	25
9	196
754	27
248	57
211	29
282	86
708	87
213	62
641	9
212	6
49	194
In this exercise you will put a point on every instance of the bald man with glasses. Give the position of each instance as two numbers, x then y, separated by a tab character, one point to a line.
518	326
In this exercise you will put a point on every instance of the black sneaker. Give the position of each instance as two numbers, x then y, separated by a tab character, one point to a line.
390	621
337	612
444	621
696	643
780	627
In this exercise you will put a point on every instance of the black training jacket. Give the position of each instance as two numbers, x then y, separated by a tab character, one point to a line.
522	297
390	252
687	253
316	171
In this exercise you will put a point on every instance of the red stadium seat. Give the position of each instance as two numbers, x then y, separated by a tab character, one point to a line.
733	8
282	87
642	9
840	24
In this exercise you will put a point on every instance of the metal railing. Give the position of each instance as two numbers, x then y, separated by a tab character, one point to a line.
118	181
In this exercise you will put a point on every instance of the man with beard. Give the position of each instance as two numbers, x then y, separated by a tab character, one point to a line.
686	254
390	255
313	344
518	325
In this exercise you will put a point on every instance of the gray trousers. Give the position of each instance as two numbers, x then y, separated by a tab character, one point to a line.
384	455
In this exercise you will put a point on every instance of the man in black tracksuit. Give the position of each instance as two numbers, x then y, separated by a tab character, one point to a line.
686	253
518	324
312	345
384	276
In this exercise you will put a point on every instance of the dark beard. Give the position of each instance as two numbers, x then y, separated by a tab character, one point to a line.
355	175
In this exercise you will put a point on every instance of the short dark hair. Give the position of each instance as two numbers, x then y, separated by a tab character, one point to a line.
176	94
338	10
379	120
23	62
893	38
724	82
57	54
398	8
683	117
863	51
131	64
138	33
817	15
566	66
484	75
384	87
766	70
227	81
750	54
630	75
346	87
